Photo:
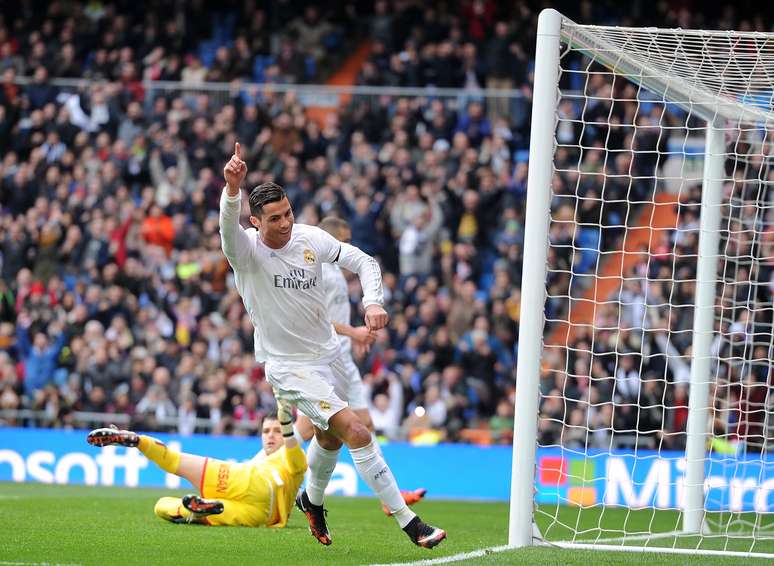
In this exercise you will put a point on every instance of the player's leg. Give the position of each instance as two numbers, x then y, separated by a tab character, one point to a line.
365	417
359	404
311	389
304	427
188	466
347	373
323	451
371	466
188	509
349	386
410	497
171	509
321	457
237	513
191	467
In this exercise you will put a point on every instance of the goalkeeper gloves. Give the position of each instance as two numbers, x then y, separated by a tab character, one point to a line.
285	416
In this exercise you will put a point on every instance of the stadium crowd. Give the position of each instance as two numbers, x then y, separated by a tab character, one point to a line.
115	296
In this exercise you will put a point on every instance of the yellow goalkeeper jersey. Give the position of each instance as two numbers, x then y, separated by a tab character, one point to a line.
255	494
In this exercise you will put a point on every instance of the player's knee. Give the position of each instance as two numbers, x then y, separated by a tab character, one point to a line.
367	422
358	435
348	427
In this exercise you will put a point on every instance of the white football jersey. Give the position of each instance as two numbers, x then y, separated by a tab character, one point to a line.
282	289
337	300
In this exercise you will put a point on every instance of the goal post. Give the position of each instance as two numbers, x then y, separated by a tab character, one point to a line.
541	151
703	329
644	405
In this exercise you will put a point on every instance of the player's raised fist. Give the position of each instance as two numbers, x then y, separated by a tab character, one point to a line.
376	317
235	170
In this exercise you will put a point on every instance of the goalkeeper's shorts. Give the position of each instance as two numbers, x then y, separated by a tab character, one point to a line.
312	387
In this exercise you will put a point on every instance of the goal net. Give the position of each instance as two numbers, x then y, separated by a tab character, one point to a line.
645	378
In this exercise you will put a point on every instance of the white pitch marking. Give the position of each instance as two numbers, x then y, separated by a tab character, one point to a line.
451	558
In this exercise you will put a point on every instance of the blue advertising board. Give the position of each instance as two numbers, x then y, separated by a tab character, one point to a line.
55	456
647	478
450	471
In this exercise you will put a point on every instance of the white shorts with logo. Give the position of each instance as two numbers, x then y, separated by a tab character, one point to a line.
312	387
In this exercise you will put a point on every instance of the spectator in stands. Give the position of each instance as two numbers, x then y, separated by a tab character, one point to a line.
157	229
290	62
313	33
504	60
385	407
193	73
39	355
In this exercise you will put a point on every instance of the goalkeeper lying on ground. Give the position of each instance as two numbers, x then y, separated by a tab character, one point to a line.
229	494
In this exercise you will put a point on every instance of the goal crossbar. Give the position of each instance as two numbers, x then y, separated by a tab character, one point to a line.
607	45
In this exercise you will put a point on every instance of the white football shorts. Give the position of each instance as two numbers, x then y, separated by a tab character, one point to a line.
312	387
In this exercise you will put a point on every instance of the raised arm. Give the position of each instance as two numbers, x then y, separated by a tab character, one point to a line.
295	459
23	337
234	241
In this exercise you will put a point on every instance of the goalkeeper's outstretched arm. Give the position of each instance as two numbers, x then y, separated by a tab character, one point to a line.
294	455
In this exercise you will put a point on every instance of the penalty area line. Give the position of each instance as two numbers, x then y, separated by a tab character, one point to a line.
14	563
450	558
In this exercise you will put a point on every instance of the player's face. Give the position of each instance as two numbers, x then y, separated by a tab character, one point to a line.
275	223
271	436
345	235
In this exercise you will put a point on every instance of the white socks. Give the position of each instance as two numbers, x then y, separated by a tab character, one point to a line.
377	446
375	472
321	464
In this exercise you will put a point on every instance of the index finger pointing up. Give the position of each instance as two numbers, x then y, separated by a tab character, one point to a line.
238	150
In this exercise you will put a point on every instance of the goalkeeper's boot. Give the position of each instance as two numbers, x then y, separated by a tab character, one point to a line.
409	497
315	514
423	534
202	507
111	436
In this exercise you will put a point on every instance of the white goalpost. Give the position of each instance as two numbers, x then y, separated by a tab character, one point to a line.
644	396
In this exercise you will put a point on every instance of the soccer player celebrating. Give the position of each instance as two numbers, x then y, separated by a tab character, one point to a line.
278	273
248	494
350	337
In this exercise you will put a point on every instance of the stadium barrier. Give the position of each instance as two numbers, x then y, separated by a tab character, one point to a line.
319	97
450	471
88	419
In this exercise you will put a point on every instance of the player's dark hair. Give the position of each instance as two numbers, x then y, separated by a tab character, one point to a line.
264	194
333	225
271	416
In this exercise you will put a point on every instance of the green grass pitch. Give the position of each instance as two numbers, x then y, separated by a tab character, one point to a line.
52	524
